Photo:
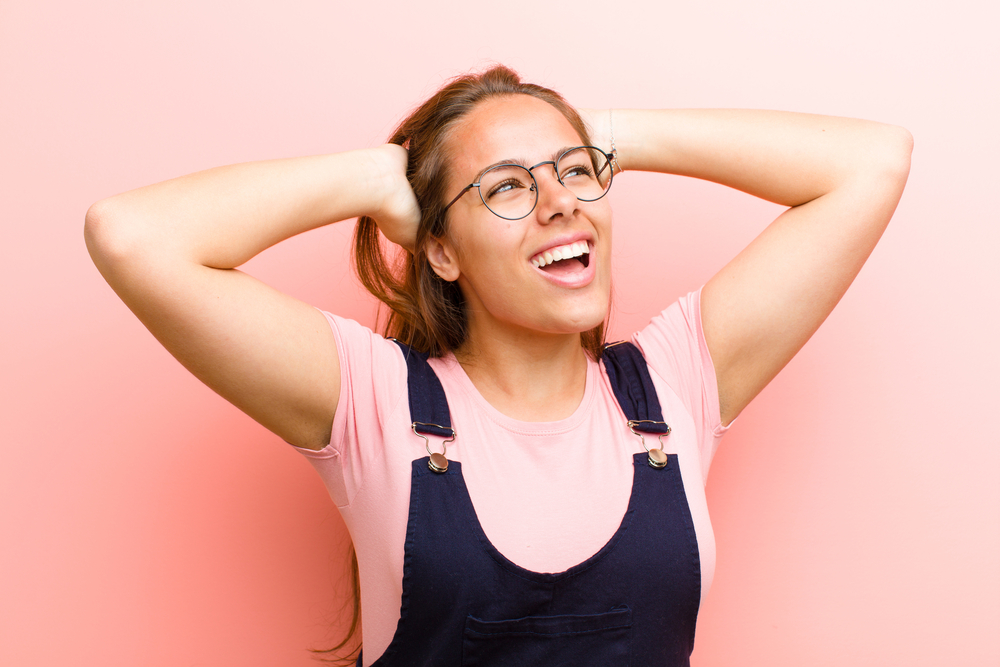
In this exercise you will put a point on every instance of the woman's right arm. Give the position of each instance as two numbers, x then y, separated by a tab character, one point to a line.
170	251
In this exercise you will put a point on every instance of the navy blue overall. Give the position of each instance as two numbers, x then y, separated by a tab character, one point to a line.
634	602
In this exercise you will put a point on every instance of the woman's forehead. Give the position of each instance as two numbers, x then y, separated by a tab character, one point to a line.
517	128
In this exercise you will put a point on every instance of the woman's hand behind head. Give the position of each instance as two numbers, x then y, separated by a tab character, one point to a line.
399	214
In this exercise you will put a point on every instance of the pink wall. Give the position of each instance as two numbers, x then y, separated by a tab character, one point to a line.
143	521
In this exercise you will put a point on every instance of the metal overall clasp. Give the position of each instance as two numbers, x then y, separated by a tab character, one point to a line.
437	462
656	458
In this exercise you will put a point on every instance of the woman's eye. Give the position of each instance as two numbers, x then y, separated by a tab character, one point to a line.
506	186
577	171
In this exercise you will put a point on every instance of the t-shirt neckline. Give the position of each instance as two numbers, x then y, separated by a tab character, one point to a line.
448	365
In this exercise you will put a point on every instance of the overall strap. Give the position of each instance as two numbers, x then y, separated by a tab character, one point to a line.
633	387
428	405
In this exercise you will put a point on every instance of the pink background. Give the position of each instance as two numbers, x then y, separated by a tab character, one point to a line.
144	521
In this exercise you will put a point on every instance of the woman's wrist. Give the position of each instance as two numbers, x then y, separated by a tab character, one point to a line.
609	131
395	206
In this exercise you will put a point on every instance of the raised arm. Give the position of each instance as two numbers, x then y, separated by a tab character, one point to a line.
170	251
842	179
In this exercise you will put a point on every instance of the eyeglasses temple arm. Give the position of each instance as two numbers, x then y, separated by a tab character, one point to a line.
467	188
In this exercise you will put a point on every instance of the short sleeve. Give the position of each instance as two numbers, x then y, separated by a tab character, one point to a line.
372	382
675	350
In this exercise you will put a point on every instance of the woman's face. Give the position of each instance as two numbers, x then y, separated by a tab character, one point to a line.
492	258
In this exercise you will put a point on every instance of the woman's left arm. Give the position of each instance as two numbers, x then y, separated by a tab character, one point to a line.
841	178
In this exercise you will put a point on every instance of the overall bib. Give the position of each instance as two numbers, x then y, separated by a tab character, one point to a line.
634	602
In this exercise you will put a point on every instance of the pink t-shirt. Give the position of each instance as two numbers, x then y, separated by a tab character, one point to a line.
548	494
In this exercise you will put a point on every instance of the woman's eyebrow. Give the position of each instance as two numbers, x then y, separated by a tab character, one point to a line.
521	162
552	159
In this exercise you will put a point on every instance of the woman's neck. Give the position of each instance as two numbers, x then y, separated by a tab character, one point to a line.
529	377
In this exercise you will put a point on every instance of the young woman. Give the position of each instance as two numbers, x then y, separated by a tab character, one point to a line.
516	493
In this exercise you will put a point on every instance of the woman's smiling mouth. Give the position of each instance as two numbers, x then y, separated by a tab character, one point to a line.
567	265
563	253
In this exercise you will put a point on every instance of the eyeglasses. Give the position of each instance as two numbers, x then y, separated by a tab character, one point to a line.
510	191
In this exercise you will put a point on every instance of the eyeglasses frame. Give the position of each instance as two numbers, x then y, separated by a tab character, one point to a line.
613	155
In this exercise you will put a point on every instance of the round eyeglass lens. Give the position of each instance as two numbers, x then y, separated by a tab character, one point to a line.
509	191
585	172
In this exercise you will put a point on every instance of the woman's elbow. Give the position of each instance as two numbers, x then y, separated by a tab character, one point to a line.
109	238
896	152
885	163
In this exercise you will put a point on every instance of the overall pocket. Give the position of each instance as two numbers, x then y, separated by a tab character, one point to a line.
552	641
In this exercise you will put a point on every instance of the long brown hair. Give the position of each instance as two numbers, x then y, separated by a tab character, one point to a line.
425	311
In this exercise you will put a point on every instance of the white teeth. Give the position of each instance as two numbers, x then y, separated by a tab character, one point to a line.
562	252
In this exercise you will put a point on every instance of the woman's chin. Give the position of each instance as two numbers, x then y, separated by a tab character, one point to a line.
581	323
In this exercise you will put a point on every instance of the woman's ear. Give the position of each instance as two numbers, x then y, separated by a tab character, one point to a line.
442	258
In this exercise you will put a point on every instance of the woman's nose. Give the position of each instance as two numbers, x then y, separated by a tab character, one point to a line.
554	198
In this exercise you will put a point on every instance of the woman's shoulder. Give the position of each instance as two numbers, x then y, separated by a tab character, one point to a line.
674	346
372	368
357	342
674	337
